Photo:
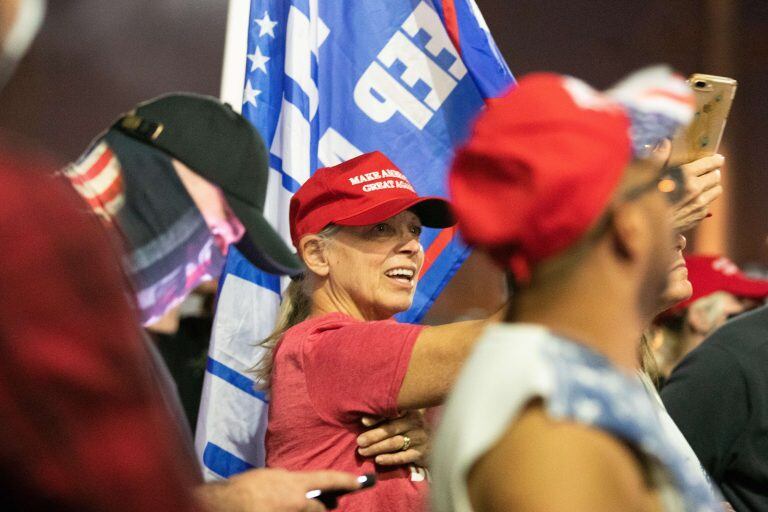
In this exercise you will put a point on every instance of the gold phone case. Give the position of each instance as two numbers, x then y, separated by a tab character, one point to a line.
714	96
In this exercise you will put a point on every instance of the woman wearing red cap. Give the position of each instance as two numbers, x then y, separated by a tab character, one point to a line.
337	355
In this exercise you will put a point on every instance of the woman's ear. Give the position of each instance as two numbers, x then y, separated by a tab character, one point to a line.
312	249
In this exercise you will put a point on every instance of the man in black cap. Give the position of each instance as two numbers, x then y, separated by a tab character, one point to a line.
223	148
181	177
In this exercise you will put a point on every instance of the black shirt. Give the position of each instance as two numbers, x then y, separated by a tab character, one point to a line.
718	396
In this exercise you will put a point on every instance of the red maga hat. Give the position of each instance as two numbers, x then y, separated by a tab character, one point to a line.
710	274
361	191
539	169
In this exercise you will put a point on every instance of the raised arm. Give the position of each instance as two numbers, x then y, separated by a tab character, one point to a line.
437	357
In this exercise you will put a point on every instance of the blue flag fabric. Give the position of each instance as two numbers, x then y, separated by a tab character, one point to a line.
325	82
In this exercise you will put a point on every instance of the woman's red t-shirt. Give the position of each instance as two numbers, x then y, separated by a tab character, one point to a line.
329	372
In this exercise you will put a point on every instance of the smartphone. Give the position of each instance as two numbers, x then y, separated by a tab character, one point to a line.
330	499
714	96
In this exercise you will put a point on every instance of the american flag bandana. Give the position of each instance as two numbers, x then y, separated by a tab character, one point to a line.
168	247
658	102
97	178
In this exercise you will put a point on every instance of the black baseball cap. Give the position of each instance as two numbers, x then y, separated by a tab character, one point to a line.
224	148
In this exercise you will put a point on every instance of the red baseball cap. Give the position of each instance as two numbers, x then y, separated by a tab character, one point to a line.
710	274
364	190
539	169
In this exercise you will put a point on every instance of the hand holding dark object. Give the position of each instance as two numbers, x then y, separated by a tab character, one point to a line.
273	490
703	186
330	498
397	441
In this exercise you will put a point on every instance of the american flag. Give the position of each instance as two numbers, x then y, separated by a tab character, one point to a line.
324	81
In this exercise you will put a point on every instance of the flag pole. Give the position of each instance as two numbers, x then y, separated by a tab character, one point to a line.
235	48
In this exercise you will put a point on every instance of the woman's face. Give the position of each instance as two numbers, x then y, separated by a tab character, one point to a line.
374	268
678	287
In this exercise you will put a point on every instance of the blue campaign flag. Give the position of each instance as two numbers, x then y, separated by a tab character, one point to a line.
326	81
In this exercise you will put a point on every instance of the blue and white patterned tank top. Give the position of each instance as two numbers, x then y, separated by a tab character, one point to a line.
513	364
590	390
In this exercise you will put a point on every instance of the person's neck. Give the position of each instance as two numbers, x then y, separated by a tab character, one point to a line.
599	313
326	300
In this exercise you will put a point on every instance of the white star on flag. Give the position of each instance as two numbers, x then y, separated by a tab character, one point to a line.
250	94
266	25
258	60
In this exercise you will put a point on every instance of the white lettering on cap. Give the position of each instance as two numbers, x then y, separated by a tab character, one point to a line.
363	178
379	185
405	185
375	180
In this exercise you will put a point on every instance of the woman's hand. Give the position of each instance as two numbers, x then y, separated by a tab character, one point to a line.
703	186
386	440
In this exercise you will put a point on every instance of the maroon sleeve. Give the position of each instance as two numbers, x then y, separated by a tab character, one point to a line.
82	426
357	368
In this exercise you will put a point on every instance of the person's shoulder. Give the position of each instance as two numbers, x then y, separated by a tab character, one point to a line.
346	325
322	333
333	322
509	361
318	327
736	348
750	325
513	350
740	338
543	464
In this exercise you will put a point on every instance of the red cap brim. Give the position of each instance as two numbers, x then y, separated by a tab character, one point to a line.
434	212
737	285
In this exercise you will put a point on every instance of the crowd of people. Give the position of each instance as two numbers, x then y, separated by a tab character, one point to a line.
552	403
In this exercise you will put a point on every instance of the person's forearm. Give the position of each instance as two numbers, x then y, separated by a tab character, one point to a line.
271	490
220	496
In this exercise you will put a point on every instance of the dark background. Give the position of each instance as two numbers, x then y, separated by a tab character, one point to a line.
97	58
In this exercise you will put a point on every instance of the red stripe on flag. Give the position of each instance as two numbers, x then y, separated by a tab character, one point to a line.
97	167
452	23
433	252
92	173
114	190
444	238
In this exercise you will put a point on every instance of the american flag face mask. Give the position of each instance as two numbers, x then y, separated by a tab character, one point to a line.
168	248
